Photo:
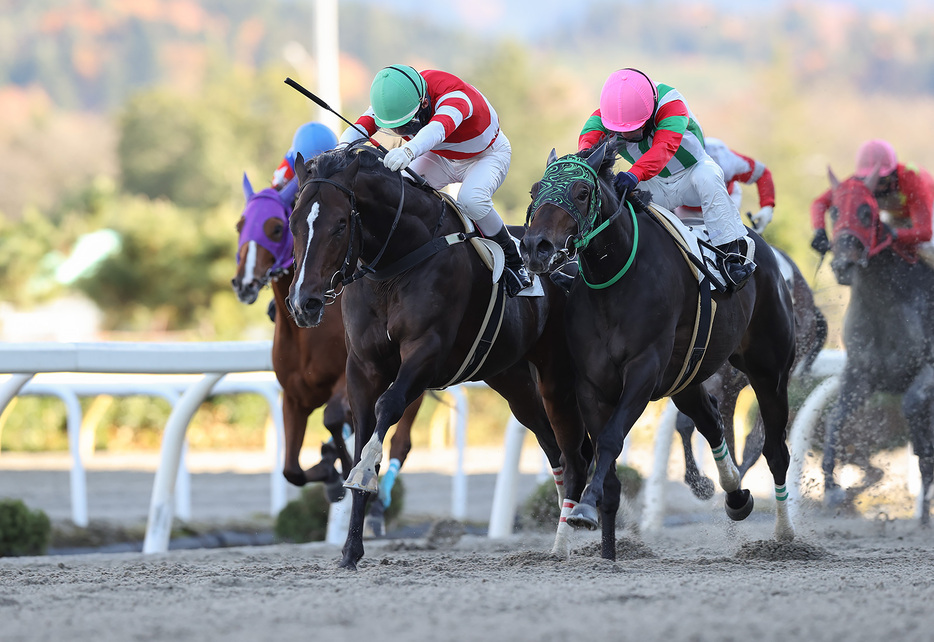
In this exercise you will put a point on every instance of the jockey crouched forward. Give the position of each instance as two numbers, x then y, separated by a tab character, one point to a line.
663	141
451	135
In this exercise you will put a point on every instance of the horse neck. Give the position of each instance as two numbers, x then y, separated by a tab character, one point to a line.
415	227
608	251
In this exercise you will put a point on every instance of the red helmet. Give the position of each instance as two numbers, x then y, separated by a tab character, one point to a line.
627	101
875	153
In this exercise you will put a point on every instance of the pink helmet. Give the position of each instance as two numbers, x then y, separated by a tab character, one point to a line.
875	153
627	101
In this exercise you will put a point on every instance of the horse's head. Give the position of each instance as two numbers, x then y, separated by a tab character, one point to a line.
858	232
265	247
567	204
326	228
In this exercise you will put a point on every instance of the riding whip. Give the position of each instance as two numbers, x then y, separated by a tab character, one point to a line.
323	105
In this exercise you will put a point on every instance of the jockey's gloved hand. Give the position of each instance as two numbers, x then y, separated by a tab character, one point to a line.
820	242
762	218
624	182
890	231
399	158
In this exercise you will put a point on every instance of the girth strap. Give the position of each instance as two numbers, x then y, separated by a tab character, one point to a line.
706	311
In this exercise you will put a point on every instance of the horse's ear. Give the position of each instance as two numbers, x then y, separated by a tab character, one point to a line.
595	160
552	157
834	181
872	181
300	172
287	195
247	188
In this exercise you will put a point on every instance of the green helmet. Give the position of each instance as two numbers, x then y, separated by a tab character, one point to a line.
396	94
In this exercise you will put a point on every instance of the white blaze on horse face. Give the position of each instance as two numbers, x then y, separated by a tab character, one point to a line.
249	264
312	215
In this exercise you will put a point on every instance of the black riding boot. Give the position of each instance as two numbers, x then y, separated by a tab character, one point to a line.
737	265
515	276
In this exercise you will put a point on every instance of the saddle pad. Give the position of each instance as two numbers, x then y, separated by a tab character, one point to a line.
686	233
490	252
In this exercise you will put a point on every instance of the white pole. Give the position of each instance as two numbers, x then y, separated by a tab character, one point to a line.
654	512
800	434
161	509
79	488
327	53
504	493
459	426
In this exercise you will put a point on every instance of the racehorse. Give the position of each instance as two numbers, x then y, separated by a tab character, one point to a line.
728	382
637	316
309	363
888	328
424	312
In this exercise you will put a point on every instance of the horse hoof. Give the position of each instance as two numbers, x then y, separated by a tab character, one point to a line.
364	480
834	497
350	565
583	516
703	488
739	508
334	491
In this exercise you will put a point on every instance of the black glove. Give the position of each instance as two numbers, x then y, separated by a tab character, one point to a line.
890	231
624	182
820	242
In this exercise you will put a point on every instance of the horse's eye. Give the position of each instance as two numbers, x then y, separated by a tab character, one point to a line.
277	232
583	195
864	214
339	228
834	213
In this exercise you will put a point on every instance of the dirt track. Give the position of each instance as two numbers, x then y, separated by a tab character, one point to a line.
841	580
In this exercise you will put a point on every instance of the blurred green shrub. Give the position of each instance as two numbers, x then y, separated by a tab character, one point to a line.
22	531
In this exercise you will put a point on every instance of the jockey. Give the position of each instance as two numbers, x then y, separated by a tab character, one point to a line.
737	169
905	194
451	135
665	145
310	139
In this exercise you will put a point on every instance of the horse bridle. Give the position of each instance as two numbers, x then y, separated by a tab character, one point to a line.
345	275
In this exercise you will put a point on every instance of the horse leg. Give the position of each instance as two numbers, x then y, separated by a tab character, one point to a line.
917	407
701	406
752	448
771	390
609	443
338	422
856	390
518	387
295	420
700	485
362	402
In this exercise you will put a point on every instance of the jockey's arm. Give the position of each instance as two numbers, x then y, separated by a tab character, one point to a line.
671	121
818	208
918	202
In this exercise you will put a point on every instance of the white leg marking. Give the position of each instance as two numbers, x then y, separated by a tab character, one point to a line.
562	547
784	528
729	473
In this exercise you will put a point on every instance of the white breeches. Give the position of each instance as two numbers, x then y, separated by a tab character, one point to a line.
701	185
480	176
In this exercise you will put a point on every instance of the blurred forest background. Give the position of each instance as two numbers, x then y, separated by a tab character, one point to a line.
126	125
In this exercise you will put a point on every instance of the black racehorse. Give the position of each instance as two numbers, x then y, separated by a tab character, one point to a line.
888	329
422	313
633	327
728	382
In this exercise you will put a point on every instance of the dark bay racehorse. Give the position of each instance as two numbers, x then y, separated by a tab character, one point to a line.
309	362
631	330
888	328
413	314
728	382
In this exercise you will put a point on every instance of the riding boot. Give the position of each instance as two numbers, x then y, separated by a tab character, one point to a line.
563	277
515	275
736	264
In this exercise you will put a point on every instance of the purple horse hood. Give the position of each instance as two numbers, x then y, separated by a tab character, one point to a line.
260	207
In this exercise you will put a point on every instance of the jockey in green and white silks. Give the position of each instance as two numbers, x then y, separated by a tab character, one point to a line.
663	141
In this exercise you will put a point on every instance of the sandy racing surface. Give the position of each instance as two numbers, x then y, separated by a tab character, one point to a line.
842	579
